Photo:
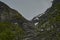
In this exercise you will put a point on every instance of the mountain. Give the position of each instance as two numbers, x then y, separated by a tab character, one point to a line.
11	23
48	27
13	26
10	15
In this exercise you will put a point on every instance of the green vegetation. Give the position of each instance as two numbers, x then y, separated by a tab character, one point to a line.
9	31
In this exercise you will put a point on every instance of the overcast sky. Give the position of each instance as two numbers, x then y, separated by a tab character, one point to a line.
29	8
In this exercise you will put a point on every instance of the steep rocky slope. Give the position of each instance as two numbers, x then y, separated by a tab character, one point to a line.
48	27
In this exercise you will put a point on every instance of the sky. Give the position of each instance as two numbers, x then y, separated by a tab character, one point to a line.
29	8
